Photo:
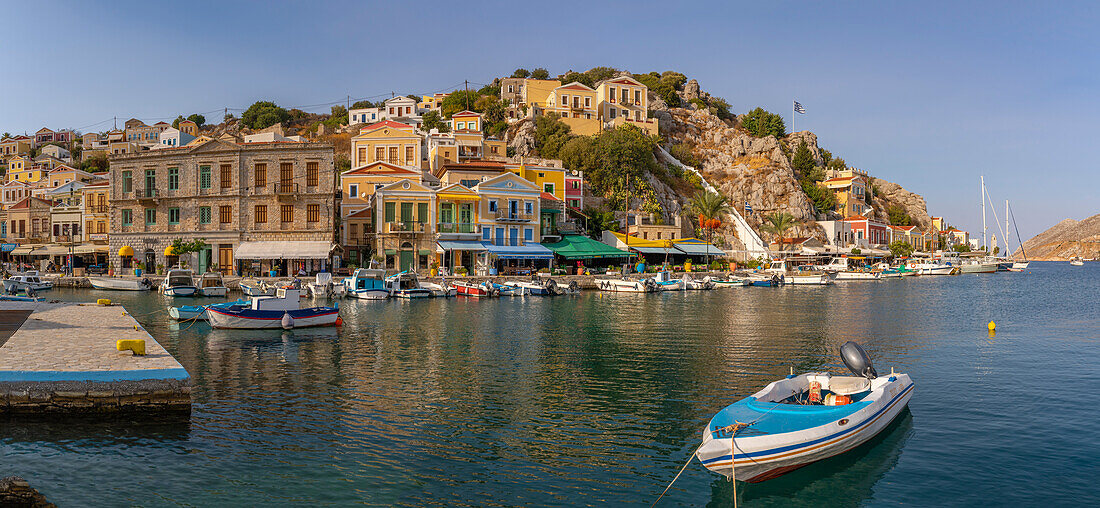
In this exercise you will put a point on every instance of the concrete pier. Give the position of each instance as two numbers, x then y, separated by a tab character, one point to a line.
62	359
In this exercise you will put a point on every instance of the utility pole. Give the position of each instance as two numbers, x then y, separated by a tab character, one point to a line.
467	85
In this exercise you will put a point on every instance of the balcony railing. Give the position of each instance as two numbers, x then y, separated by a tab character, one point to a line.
405	227
455	227
147	193
285	188
96	209
505	215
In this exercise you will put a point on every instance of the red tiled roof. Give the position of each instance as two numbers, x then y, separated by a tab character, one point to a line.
547	195
381	168
385	123
578	86
840	179
855	218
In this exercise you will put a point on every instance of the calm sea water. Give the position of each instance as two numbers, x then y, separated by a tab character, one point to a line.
598	399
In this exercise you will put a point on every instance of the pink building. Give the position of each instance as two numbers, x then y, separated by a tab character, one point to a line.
868	232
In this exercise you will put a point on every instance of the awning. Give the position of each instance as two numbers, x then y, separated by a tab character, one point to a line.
425	252
699	248
8	247
391	252
656	250
582	247
90	249
52	250
529	251
283	250
125	251
461	245
22	251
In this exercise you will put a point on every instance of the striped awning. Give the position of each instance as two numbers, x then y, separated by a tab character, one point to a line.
283	250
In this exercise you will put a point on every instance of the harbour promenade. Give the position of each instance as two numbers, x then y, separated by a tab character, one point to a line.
62	358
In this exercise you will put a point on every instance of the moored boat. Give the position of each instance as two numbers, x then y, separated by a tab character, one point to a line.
730	282
1019	266
27	280
1076	261
321	287
406	285
120	284
367	284
439	290
211	284
279	311
858	275
706	283
665	282
256	287
809	279
627	285
198	312
178	282
475	289
802	419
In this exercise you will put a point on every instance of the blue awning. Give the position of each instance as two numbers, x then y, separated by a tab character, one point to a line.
461	245
656	250
529	251
8	247
696	248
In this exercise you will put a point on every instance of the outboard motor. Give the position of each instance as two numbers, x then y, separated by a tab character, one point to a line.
857	361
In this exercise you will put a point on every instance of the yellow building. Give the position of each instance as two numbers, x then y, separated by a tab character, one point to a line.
431	102
536	92
575	104
404	225
358	186
387	141
62	175
97	217
509	210
18	145
469	174
466	121
625	100
457	231
189	127
938	223
548	178
851	194
22	169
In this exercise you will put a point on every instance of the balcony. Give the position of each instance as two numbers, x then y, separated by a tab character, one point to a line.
406	227
285	189
456	227
506	216
147	194
95	209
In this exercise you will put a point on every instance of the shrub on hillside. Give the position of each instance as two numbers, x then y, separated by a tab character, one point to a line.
263	114
761	123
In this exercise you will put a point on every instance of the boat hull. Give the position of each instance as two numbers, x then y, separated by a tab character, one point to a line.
179	291
767	456
19	285
412	293
369	294
243	318
475	290
979	268
112	284
217	291
808	280
198	312
625	286
857	276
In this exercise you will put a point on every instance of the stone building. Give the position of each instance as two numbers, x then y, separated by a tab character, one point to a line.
258	206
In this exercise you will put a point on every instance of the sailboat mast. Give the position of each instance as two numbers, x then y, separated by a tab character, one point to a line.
1007	252
985	243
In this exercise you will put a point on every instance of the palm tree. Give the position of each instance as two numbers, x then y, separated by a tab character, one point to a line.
710	207
778	223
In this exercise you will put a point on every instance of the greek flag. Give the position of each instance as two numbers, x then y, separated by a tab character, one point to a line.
748	207
798	108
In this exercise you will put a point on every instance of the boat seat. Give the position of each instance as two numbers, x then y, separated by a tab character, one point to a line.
849	385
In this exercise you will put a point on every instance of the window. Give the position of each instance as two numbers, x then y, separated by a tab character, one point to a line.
353	230
127	217
625	94
492	205
529	207
353	190
286	213
312	170
637	96
613	112
422	212
548	188
260	175
261	214
528	234
225	214
173	178
611	93
174	215
406	212
286	174
226	176
469	183
379	153
204	215
391	212
408	156
485	234
393	155
204	177
101	227
150	216
587	102
362	155
313	212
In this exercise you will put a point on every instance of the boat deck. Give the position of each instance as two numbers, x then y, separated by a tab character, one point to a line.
62	358
778	418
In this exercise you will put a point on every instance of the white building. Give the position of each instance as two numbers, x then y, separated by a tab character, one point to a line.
402	109
57	152
172	138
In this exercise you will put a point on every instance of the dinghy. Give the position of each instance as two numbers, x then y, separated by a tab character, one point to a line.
406	285
730	282
321	287
665	282
279	311
120	284
476	289
256	287
627	285
802	419
697	284
439	290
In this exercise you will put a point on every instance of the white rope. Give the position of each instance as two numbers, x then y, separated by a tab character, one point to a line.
690	458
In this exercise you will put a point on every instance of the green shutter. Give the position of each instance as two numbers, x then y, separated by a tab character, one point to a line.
390	212
422	212
406	212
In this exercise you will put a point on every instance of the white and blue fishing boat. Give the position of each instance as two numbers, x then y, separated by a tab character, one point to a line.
25	297
279	311
367	284
406	285
665	282
178	282
198	312
802	419
765	280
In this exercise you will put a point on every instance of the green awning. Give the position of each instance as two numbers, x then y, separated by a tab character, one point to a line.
391	252
582	247
425	252
551	210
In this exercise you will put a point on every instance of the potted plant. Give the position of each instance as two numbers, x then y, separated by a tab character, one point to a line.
160	269
138	267
460	271
435	268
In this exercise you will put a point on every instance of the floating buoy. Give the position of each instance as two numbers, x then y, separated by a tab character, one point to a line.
339	321
288	321
135	345
992	326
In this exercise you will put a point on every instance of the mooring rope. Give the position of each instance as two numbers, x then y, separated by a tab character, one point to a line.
690	458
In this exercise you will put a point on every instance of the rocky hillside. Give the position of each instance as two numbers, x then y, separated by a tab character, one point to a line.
1066	239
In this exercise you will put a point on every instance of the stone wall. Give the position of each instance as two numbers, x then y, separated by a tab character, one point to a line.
15	492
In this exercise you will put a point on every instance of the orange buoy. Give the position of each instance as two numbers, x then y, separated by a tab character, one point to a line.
837	400
339	321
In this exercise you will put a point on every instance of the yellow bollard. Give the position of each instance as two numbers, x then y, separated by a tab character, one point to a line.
992	326
135	345
103	301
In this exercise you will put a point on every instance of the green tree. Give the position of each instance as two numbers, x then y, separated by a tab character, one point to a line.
176	122
598	220
458	101
198	119
229	117
550	135
674	79
433	120
342	163
263	114
824	199
721	107
900	248
836	164
761	123
521	73
803	161
778	223
579	77
898	216
363	104
95	164
337	117
490	90
491	108
181	247
709	208
6	135
962	247
540	73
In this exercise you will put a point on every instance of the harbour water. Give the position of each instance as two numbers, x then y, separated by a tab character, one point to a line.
598	399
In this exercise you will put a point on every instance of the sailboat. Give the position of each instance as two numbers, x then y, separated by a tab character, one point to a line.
1017	266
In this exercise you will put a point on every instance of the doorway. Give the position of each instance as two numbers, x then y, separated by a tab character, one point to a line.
225	260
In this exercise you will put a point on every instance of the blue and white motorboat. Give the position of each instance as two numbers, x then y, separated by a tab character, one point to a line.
256	287
509	289
665	282
406	285
211	284
178	282
802	419
25	297
27	280
198	312
279	311
367	284
765	279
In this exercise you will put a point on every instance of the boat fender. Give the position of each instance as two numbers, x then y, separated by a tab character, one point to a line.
815	391
339	321
837	400
336	305
892	379
287	321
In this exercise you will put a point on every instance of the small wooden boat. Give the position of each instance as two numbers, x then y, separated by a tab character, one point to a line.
211	284
802	419
367	284
279	311
198	312
178	282
27	280
627	285
120	284
406	285
256	287
475	289
439	290
730	282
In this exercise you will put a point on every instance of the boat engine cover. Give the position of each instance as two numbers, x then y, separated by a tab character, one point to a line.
857	361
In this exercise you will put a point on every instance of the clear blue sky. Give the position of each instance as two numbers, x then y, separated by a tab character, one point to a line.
929	95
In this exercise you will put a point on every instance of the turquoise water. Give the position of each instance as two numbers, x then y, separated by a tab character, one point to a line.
598	399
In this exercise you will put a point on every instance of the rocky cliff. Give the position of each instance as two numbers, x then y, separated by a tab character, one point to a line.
1066	239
